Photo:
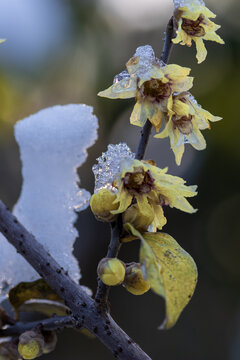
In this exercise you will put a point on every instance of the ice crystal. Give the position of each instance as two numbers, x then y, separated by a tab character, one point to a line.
187	3
109	165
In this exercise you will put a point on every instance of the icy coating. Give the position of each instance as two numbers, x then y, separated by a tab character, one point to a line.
187	3
147	59
109	165
53	144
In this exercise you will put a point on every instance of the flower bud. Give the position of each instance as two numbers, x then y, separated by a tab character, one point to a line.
139	221
101	205
50	341
134	281
111	271
30	344
8	349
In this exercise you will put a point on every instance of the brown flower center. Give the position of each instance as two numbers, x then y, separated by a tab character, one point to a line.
193	28
184	124
138	182
156	89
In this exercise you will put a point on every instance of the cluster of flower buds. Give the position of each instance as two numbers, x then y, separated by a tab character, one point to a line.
113	271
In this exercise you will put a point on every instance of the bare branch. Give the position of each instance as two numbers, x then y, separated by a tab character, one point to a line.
53	323
83	307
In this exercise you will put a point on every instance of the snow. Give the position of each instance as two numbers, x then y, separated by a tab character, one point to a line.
53	143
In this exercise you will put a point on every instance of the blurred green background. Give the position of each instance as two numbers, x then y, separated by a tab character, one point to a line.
65	51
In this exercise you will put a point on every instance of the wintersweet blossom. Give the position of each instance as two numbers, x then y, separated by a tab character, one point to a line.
152	83
185	123
192	22
151	188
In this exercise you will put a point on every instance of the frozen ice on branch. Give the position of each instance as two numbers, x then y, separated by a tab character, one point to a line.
109	165
53	143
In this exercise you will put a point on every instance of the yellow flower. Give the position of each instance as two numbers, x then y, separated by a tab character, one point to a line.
193	23
152	83
185	123
101	205
111	271
152	188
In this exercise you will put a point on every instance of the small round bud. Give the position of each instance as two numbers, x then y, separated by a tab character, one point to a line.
139	221
101	205
111	271
134	281
30	344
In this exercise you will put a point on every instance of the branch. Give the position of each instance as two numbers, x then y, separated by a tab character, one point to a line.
116	227
83	307
53	323
146	129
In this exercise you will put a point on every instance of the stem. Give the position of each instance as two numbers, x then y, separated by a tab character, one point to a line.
116	227
53	323
84	310
167	46
146	129
102	293
145	133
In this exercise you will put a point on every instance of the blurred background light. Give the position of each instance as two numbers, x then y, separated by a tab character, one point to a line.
33	29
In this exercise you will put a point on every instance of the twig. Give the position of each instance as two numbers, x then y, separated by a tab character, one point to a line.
83	307
145	133
103	291
116	227
167	46
146	130
53	323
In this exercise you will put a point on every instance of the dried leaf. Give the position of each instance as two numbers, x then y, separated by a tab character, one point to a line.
44	306
24	291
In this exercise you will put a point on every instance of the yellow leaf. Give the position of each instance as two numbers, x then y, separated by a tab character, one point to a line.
178	272
24	291
151	269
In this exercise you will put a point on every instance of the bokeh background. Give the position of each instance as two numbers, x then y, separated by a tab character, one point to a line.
65	51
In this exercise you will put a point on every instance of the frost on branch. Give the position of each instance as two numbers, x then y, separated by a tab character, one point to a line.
53	143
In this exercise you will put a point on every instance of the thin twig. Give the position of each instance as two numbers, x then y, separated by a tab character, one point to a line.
146	130
102	290
83	307
167	46
53	323
116	227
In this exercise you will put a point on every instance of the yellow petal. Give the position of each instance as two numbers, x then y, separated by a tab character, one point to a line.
166	131
159	219
196	138
139	114
144	207
178	152
156	118
175	72
124	199
123	89
201	50
212	36
183	85
180	108
178	271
